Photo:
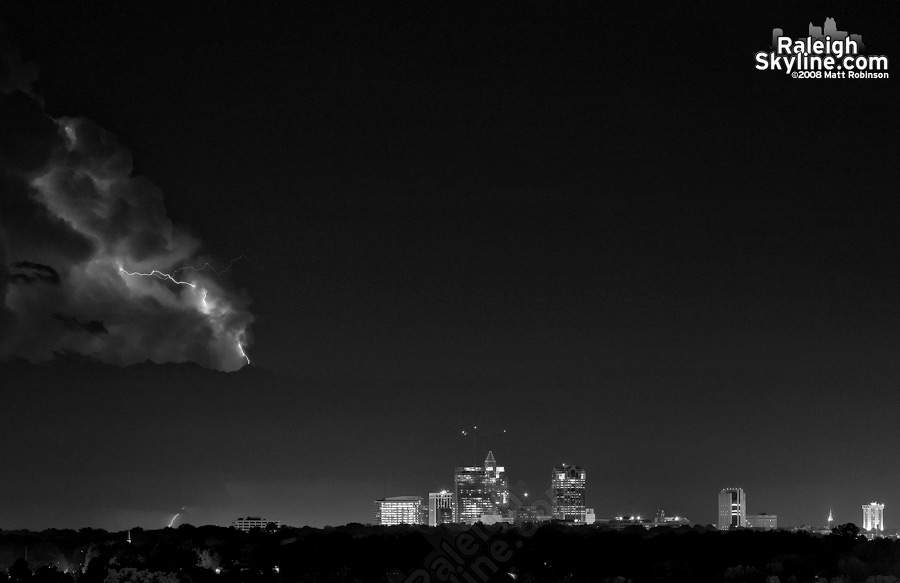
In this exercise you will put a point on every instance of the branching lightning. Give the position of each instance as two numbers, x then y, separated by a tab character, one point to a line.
213	269
159	275
120	286
206	308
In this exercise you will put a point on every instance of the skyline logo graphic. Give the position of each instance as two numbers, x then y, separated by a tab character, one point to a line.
825	52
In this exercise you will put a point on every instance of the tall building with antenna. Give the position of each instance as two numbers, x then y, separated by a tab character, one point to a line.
481	491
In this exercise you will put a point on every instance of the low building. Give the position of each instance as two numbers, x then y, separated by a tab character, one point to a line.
662	520
762	521
533	513
623	522
245	524
399	510
496	518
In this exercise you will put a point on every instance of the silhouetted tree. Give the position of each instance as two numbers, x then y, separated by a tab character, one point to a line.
50	574
96	570
19	571
848	531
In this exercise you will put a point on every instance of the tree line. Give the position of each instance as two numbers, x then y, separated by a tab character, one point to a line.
414	554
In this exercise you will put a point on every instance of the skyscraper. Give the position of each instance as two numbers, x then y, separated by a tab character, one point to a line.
567	490
441	508
481	491
873	517
732	508
399	510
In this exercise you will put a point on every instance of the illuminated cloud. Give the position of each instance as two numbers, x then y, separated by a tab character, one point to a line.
75	222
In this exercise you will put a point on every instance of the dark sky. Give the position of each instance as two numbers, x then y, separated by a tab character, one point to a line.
595	226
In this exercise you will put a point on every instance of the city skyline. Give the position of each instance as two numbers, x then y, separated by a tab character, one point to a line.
485	488
307	245
694	503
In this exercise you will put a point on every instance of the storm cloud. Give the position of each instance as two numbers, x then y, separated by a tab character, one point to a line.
80	237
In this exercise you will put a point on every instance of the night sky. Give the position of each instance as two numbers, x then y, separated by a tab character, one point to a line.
594	226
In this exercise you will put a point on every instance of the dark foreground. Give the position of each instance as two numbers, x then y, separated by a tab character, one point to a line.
211	554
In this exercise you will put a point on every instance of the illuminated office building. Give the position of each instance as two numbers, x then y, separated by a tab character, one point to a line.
762	521
873	517
481	491
662	520
246	524
399	510
732	508
440	508
567	491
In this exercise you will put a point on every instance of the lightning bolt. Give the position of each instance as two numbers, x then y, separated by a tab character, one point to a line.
213	269
174	518
159	275
206	309
244	354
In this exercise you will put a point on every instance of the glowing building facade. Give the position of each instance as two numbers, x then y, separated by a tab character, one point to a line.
399	510
481	491
662	520
732	508
246	524
762	521
441	508
567	491
873	517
